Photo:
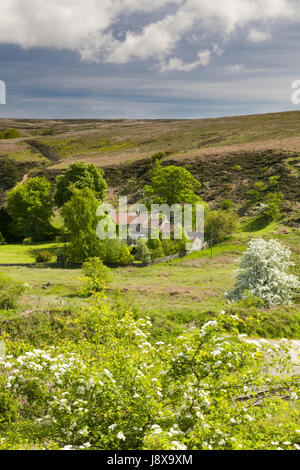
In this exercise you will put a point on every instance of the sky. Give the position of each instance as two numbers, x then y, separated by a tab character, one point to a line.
107	59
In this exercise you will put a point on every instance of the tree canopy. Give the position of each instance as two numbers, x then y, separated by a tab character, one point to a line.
80	219
30	207
172	185
80	175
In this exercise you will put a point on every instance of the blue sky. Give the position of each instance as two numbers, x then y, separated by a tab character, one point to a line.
148	59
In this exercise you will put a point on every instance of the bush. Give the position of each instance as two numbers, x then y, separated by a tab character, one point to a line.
10	292
116	389
237	168
143	253
158	156
115	252
270	209
262	272
256	193
10	134
44	257
221	224
27	241
226	204
96	276
156	249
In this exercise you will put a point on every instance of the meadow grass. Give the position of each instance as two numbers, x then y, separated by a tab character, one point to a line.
23	253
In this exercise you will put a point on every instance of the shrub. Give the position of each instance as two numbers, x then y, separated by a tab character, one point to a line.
10	292
115	252
143	253
237	168
10	134
27	241
158	156
155	246
226	204
262	272
221	224
96	276
44	257
256	193
270	209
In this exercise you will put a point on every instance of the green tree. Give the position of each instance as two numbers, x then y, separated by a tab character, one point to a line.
30	207
272	204
221	224
172	185
80	175
143	253
80	220
96	277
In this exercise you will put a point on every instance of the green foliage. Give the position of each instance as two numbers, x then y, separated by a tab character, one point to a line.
80	220
115	388
8	407
132	185
221	224
270	209
10	134
10	292
256	193
172	185
226	204
9	175
27	241
156	248
237	168
158	156
49	132
115	252
30	207
273	180
143	253
2	239
96	277
40	327
44	257
80	175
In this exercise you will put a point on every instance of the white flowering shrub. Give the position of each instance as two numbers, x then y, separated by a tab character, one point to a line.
115	388
263	272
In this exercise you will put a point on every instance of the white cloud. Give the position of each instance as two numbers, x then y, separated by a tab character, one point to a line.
235	68
87	26
177	64
258	36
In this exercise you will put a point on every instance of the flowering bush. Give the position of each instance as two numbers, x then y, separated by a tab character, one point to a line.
114	388
262	272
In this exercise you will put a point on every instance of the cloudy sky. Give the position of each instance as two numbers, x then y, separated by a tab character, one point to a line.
148	58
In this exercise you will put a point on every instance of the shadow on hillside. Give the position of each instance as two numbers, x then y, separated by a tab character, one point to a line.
256	224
